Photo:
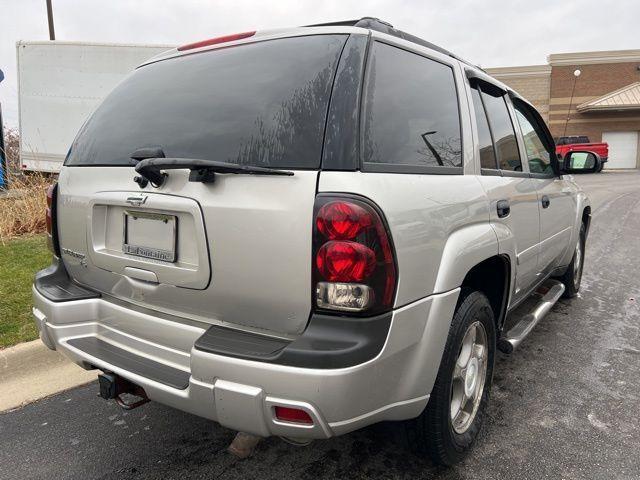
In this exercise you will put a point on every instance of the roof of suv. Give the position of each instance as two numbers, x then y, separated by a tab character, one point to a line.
372	23
368	23
364	23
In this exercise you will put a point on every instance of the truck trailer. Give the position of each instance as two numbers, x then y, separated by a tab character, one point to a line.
59	85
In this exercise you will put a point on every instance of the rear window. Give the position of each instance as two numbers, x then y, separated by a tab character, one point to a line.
485	142
504	135
261	104
411	115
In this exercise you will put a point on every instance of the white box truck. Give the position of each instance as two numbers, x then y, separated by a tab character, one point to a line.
59	85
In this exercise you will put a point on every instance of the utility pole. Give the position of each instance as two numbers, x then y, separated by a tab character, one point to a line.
4	174
576	74
52	33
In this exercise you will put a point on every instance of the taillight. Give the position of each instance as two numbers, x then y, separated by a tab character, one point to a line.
217	40
345	261
353	260
339	220
50	214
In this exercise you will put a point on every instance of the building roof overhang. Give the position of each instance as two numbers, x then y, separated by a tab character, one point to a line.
625	98
590	58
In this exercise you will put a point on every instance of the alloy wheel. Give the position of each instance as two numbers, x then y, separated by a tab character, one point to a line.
469	376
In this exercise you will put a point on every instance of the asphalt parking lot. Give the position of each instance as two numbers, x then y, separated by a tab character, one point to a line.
564	405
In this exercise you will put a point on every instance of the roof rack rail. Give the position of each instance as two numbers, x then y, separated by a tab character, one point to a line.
378	25
343	23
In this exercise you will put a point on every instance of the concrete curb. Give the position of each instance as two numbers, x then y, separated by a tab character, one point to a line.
30	371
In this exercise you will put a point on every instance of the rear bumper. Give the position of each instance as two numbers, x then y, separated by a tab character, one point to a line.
240	393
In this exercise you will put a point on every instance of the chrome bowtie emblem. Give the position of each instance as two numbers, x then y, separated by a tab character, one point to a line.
137	201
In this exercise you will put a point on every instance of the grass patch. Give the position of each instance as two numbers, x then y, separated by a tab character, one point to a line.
20	259
23	206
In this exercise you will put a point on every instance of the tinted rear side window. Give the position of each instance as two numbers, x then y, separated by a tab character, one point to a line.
503	133
259	104
411	114
485	142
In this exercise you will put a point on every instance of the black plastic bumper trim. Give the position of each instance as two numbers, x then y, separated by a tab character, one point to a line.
328	342
54	284
131	362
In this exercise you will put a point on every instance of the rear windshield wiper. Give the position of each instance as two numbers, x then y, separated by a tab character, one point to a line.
201	170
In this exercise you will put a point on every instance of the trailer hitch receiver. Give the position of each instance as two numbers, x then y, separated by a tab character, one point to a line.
114	387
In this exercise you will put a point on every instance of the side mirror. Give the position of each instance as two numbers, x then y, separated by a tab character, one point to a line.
581	162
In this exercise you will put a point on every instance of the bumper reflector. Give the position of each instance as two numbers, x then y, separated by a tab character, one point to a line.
293	415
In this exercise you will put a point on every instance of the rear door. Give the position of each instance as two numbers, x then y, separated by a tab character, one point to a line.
556	198
235	251
514	202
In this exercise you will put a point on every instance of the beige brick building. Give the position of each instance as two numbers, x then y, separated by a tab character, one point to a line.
606	98
532	82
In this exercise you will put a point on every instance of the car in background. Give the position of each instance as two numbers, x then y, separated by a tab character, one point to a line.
572	143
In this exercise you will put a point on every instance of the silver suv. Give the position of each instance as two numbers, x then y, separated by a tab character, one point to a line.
302	232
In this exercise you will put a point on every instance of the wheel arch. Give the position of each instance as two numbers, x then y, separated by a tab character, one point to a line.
586	218
582	215
492	277
472	259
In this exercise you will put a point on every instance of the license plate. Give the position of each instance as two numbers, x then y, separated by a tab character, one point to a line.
150	235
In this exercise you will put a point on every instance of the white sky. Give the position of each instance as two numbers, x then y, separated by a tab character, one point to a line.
489	33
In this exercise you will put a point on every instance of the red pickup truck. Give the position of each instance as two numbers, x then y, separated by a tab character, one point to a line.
565	145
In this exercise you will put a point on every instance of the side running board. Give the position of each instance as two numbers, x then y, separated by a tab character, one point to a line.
550	292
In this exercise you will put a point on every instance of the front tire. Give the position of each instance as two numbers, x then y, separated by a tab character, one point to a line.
573	276
449	425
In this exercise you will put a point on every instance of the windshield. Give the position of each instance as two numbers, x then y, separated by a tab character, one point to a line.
261	104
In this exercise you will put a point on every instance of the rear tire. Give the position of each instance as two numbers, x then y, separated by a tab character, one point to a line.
600	167
573	276
449	425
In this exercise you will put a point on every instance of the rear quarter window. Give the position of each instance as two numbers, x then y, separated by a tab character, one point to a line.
260	104
411	113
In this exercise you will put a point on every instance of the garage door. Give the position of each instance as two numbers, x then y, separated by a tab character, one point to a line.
623	149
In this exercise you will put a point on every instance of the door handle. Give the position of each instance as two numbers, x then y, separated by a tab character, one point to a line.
545	201
503	208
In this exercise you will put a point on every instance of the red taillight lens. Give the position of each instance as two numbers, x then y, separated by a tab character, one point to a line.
345	261
293	415
354	266
50	214
48	211
342	220
217	40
